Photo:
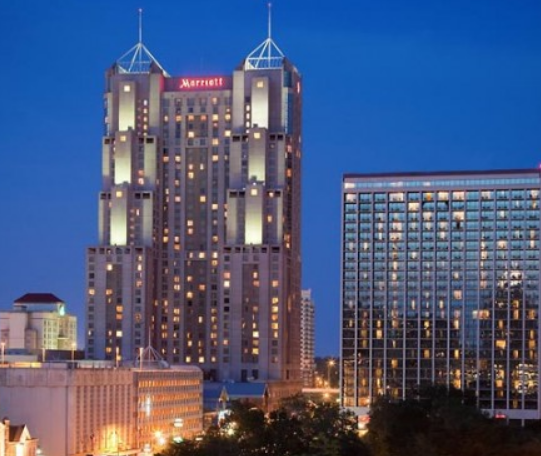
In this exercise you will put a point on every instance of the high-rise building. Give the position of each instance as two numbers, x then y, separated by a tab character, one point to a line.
440	285
37	321
199	217
307	339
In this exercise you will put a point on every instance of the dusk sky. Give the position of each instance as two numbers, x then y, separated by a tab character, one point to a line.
389	85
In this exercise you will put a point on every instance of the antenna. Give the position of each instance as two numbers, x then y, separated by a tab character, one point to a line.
270	19
140	25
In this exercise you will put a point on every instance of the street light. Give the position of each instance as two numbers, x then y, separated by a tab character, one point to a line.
330	364
159	438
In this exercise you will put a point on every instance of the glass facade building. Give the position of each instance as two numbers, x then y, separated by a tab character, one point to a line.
440	285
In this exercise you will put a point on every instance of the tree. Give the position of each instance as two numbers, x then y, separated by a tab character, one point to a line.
297	428
443	422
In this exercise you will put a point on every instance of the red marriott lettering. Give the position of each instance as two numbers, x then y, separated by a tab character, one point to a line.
202	83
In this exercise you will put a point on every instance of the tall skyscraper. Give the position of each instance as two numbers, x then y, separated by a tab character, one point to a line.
441	285
307	339
199	217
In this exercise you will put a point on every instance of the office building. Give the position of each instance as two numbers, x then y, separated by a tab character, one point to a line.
169	401
37	321
199	218
91	408
440	285
307	339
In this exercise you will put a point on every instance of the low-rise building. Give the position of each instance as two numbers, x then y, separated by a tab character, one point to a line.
37	322
15	440
86	407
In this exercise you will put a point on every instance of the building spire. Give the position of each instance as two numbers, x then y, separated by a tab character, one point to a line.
138	59
270	20
267	54
140	25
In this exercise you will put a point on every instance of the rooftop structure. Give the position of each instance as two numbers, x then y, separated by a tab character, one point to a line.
138	59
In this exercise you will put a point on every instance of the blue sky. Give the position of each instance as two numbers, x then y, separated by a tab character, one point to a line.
392	85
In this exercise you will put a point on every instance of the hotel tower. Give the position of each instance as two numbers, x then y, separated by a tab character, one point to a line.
441	285
199	218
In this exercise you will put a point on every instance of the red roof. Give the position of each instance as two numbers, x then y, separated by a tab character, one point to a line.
15	432
38	298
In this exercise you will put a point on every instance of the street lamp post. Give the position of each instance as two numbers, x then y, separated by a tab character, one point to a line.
330	364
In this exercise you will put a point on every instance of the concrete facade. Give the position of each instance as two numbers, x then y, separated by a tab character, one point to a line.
85	408
38	321
199	221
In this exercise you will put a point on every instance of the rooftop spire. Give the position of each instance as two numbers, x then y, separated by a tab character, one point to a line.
140	25
138	59
267	54
270	20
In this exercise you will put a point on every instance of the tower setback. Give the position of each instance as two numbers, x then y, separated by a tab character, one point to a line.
199	218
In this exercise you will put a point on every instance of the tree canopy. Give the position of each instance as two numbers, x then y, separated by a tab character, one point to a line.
436	422
298	428
444	422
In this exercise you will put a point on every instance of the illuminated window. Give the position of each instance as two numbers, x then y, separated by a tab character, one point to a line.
253	192
127	88
123	138
257	135
443	196
260	84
